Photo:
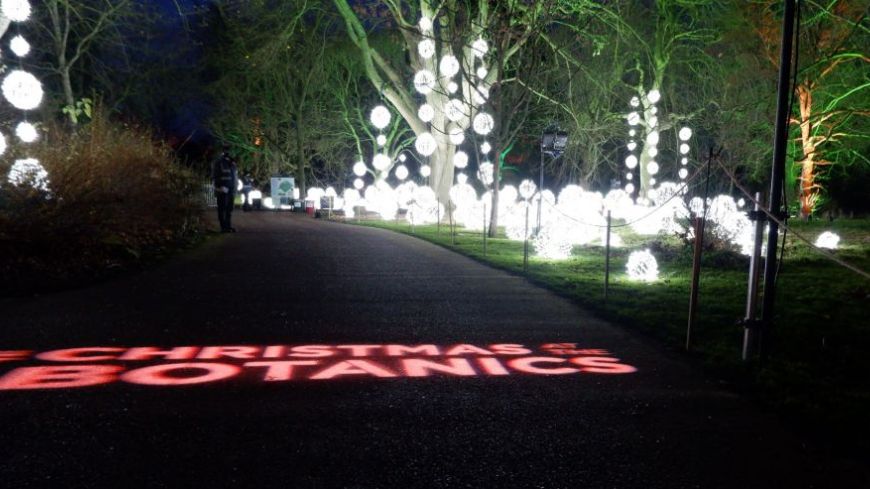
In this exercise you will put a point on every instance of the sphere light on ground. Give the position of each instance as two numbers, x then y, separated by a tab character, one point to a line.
828	240
642	266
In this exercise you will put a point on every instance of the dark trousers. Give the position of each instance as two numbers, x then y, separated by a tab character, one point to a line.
225	203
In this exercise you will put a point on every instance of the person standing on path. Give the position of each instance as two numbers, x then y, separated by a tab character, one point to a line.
224	175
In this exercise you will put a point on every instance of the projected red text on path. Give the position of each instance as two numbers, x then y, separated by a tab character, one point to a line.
191	365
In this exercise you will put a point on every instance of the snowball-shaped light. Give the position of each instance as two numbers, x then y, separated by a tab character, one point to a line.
480	47
632	132
460	159
425	24
454	110
631	162
633	119
452	87
527	189
485	147
381	162
426	113
482	72
684	161
424	81
359	184
631	146
28	171
22	90
381	140
425	144
485	173
629	188
741	202
683	173
685	134
26	132
653	121
401	172
652	167
448	66
653	110
652	151
652	138
642	266
461	178
828	240
483	123
634	101
653	96
426	48
684	149
425	171
380	117
19	46
359	168
629	176
652	181
15	10
402	157
456	135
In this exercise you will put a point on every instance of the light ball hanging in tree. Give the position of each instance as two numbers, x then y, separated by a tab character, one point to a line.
402	157
632	133
652	138
401	172
634	102
460	159
683	173
684	161
633	119
359	184
527	189
654	96
454	110
642	266
424	81
631	162
381	140
426	113
653	121
629	188
629	176
15	10
381	162
425	24
461	178
26	132
482	72
426	48
685	134
19	46
456	135
485	147
483	123
22	90
380	117
425	171
425	144
684	148
359	168
652	152
480	47
452	87
652	167
448	66
631	146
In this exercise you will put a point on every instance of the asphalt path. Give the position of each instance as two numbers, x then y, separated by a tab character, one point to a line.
291	280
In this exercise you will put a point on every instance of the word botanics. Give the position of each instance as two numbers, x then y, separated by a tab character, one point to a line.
189	365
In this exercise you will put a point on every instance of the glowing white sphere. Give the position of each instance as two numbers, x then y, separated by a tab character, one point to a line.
483	123
684	148
652	181
456	135
380	117
359	184
652	167
425	144
425	171
642	266
454	110
2	143
28	171
426	48
401	172
482	72
448	66
22	90
828	240
480	47
629	188
631	146
424	81
425	23
381	140
402	157
26	132
359	168
741	202
452	87
654	110
461	178
527	189
634	102
683	173
15	10
629	176
509	194
381	162
19	46
684	161
460	159
632	132
631	162
652	138
654	96
485	173
653	121
426	113
652	152
485	147
685	134
633	119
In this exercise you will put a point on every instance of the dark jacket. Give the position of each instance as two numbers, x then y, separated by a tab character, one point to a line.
224	173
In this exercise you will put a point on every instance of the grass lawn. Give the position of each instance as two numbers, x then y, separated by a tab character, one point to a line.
815	375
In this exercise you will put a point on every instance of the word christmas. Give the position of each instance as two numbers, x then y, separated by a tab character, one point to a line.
188	365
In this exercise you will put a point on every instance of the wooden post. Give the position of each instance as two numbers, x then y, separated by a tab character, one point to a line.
484	230
696	275
607	259
526	243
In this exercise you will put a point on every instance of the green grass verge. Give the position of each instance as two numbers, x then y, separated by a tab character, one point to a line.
816	372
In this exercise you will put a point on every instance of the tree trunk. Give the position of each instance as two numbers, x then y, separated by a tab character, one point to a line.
300	157
809	194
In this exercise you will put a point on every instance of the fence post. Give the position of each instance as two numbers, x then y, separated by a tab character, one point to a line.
484	230
438	213
696	275
452	227
607	259
526	243
750	323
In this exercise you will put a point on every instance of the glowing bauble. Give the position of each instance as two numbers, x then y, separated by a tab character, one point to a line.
448	66
425	24
652	181
633	119
401	172
456	135
631	162
652	138
653	121
741	203
642	266
28	171
425	171
828	240
482	72
652	167
19	46
684	148
485	147
381	140
402	157
359	184
424	81
426	113
480	47
460	159
461	178
483	123
22	90
15	10
484	173
653	110
26	132
452	87
685	134
632	133
652	152
527	189
380	117
634	102
425	144
631	146
359	168
683	173
629	176
454	110
654	96
426	48
381	162
684	161
629	188
509	194
2	143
